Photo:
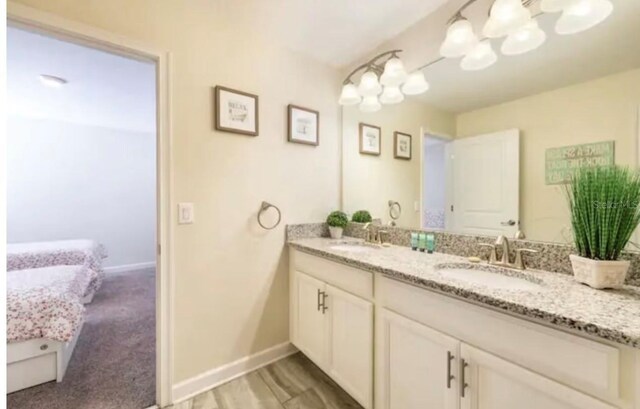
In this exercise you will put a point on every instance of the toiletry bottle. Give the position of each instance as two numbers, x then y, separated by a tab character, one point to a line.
422	241
431	242
414	241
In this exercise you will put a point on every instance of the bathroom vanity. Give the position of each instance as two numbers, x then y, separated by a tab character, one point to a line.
399	329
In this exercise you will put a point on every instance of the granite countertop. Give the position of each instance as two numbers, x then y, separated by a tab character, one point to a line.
557	299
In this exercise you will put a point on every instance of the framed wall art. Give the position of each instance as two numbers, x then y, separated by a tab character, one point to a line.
236	111
401	146
303	125
370	138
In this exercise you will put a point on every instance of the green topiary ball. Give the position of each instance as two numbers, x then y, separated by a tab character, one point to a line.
337	219
362	216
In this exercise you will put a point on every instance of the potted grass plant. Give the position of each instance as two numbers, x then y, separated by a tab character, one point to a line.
605	211
337	221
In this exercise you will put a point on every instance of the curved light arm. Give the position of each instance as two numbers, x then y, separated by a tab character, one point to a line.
373	64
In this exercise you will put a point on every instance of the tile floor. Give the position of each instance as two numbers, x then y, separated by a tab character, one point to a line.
291	383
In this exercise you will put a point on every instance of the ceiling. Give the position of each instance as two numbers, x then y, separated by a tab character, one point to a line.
341	32
608	48
103	89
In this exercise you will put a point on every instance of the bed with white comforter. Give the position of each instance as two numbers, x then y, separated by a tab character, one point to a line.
88	253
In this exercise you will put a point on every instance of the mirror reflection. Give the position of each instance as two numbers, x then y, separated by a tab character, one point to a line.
489	151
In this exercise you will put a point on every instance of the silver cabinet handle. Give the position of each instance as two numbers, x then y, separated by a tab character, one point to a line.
463	382
508	223
318	299
324	302
450	377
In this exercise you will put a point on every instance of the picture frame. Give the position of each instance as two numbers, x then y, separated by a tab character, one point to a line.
370	139
401	145
236	111
303	125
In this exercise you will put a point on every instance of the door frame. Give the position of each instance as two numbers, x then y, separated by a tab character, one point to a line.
448	188
34	20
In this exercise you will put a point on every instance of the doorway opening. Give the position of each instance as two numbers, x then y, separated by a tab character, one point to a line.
82	201
435	174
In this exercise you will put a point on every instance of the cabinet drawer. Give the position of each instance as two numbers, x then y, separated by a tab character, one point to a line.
581	363
353	280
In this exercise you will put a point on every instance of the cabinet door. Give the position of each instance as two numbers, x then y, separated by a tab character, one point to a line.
494	383
351	344
310	322
417	366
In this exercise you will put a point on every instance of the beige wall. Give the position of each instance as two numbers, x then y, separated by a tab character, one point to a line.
231	295
369	182
599	110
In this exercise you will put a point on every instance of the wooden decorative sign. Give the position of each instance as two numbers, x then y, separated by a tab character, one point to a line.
560	163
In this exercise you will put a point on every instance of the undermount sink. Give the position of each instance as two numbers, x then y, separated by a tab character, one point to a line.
353	248
491	277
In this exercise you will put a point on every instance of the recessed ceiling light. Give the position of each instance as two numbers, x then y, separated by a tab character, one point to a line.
52	81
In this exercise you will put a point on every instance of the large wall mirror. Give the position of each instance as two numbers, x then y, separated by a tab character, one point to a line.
490	149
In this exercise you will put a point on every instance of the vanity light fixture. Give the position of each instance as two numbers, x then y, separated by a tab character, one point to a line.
512	19
526	38
581	15
481	57
52	81
386	70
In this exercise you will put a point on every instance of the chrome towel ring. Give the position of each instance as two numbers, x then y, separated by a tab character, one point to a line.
263	208
392	206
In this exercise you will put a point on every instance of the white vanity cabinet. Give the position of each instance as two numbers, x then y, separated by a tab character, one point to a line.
494	383
332	321
416	366
419	367
425	346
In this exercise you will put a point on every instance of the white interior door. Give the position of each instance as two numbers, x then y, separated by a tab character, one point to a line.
486	183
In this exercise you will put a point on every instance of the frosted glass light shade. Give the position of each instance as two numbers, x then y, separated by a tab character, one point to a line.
370	104
394	73
369	85
349	95
581	15
554	6
524	39
481	57
391	95
415	84
459	41
505	17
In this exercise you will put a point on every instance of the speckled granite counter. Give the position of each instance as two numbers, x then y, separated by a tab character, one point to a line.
612	314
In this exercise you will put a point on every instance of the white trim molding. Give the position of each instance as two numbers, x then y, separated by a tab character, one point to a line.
128	267
210	379
32	19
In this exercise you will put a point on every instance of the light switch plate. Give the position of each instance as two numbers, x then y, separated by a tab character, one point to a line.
185	213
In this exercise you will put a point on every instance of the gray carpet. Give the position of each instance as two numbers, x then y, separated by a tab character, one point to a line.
113	365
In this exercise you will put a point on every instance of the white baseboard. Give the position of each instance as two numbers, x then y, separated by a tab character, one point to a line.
212	378
128	267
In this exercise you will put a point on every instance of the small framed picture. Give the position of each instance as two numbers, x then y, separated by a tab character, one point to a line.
304	125
402	145
370	136
236	111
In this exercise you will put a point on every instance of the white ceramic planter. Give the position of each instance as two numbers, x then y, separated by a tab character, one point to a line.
336	232
599	274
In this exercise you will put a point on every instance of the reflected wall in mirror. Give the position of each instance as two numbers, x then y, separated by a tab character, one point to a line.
481	139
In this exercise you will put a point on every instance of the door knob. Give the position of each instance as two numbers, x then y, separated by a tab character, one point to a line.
508	223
